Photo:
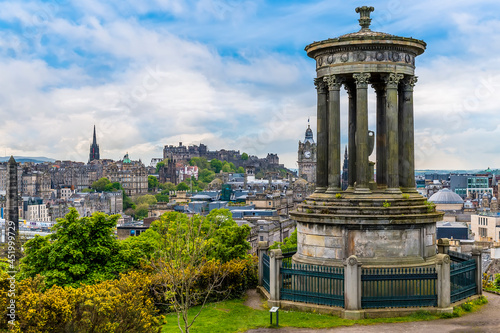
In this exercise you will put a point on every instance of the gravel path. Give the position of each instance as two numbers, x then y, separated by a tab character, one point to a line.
486	320
254	300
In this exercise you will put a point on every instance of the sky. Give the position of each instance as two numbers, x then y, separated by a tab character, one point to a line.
231	74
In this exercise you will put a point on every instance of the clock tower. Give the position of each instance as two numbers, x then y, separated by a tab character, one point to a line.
307	157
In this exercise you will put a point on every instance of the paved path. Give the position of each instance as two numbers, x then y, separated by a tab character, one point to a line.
486	320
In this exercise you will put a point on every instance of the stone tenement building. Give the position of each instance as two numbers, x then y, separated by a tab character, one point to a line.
183	153
307	157
132	175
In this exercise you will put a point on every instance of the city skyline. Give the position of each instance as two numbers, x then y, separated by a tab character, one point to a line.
232	75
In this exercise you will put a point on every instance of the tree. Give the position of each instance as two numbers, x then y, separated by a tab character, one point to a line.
241	170
206	175
152	183
244	156
182	259
148	199
200	162
159	166
182	187
80	250
141	211
168	186
161	197
216	165
100	185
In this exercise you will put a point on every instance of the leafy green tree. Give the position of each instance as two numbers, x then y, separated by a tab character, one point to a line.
216	165
226	167
244	156
88	190
152	183
141	211
288	243
148	199
159	166
80	250
113	187
182	187
200	162
168	186
100	185
206	175
240	170
160	197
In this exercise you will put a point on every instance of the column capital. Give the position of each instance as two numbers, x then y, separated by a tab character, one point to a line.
333	81
320	85
379	88
362	79
351	90
409	82
392	80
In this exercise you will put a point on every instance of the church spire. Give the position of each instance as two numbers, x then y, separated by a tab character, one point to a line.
94	149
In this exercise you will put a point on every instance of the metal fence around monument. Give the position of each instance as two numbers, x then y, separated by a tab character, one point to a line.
398	287
312	284
463	282
265	271
459	257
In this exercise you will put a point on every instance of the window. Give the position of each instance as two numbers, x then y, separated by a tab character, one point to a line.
483	232
261	238
261	227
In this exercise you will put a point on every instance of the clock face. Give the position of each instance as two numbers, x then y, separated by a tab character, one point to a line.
307	154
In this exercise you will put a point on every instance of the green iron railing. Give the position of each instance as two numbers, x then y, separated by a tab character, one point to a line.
459	257
398	287
312	284
288	254
265	271
463	282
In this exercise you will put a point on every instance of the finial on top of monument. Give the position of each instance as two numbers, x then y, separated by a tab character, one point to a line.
365	20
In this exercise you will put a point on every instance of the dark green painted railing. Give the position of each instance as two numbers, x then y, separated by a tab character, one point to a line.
459	257
288	254
398	287
265	271
463	280
312	284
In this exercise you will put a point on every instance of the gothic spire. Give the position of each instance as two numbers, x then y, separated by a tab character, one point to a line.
95	140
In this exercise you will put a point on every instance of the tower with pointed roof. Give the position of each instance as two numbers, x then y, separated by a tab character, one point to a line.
94	149
307	156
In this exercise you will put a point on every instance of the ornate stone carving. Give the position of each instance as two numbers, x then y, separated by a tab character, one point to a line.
320	85
362	79
320	61
361	56
392	80
395	56
365	20
409	82
380	56
350	90
330	59
334	81
446	259
352	260
344	57
408	58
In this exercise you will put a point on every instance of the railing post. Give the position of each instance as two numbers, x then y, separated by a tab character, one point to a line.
261	249
443	245
477	254
275	259
443	283
352	288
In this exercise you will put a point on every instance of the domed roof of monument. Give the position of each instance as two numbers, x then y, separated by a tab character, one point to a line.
446	196
366	36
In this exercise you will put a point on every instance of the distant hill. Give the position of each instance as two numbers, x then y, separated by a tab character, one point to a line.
24	159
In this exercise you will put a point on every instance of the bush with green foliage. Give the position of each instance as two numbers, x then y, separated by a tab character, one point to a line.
288	243
153	183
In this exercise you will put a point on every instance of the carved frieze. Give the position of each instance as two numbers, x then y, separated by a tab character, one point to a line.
354	56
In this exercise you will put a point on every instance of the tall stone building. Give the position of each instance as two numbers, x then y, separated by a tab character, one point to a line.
12	199
94	149
307	157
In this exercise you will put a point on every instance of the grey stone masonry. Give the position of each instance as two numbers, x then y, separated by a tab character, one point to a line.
275	259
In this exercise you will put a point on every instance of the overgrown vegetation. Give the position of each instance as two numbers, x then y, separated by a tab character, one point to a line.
289	243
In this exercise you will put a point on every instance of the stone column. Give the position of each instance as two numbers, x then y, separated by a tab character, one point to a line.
362	167
351	145
322	138
443	283
443	245
352	288
381	139
477	254
391	105
406	136
334	82
275	259
261	249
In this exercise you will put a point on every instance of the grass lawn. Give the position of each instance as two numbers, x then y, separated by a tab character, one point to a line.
233	316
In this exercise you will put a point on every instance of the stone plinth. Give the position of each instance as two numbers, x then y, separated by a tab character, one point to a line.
379	229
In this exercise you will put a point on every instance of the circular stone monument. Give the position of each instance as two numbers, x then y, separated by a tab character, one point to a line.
384	222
